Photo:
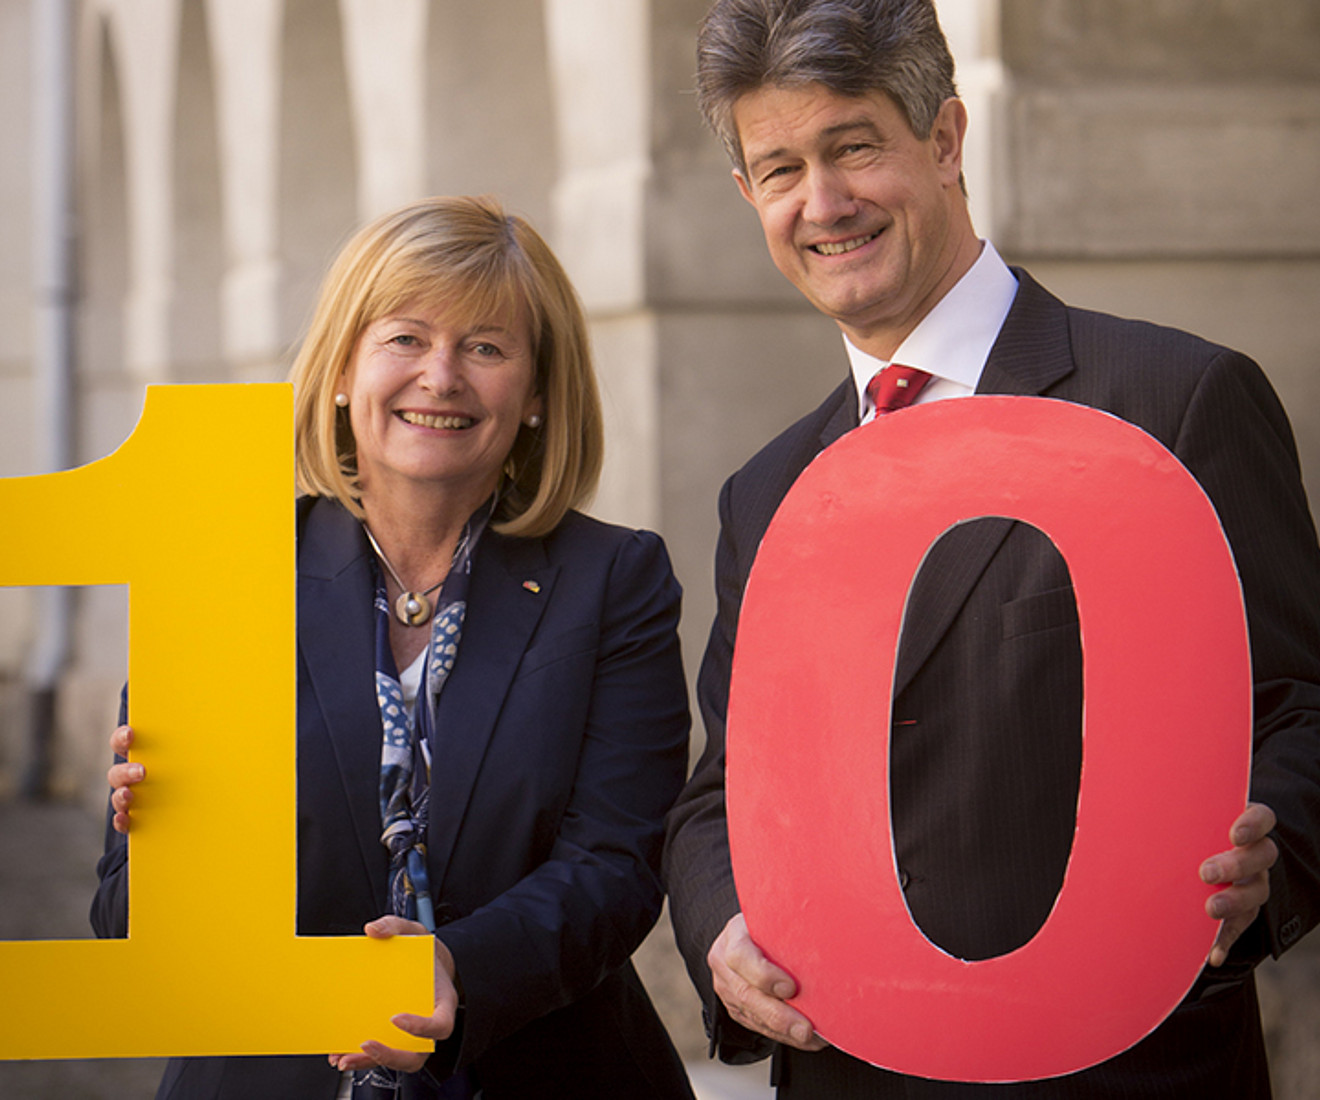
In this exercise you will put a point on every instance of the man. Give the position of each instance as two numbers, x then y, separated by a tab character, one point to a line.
847	137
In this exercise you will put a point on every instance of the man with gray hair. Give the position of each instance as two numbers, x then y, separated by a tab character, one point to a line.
846	134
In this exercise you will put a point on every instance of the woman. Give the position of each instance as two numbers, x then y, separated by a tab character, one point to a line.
492	718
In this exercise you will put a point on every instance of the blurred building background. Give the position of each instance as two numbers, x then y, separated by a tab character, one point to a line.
1156	158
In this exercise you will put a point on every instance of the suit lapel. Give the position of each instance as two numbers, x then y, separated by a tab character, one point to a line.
1032	353
512	582
1034	348
840	410
945	581
336	632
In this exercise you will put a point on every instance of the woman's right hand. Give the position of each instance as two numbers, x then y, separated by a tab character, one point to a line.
123	777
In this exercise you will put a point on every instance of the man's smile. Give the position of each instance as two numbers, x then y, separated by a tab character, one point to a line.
838	248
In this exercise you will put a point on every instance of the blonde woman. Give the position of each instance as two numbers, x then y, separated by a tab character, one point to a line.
492	718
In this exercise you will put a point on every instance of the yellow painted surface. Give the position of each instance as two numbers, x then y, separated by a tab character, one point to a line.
194	512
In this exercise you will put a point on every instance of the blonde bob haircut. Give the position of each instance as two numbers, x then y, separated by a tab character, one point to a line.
471	260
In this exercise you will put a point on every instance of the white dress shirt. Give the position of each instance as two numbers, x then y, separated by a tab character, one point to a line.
953	341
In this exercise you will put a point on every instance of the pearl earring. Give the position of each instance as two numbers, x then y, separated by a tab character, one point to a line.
534	421
341	399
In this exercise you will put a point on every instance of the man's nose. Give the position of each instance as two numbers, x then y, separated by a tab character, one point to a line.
829	197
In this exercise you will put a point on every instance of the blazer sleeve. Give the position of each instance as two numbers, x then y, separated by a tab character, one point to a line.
109	913
1236	440
580	913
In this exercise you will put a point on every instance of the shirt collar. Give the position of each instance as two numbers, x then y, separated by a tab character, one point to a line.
953	340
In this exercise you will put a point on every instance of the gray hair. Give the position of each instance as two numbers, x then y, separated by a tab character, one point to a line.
851	47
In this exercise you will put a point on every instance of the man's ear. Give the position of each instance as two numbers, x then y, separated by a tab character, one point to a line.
743	186
947	134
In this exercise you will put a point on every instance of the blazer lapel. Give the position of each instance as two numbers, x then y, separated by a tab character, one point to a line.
512	582
1031	354
336	633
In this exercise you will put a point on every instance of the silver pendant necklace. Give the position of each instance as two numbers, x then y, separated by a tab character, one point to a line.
411	608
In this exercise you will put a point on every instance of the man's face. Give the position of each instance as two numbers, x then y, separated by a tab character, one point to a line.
860	215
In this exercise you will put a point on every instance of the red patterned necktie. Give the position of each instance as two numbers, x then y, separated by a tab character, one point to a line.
895	387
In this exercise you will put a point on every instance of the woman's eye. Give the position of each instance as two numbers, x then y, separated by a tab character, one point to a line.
486	350
405	340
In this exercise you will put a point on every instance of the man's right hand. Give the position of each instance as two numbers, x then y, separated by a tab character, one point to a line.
754	990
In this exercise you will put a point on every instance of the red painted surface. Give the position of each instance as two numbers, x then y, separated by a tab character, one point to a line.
1166	737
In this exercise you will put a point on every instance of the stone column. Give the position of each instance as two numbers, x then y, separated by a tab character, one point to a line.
145	36
245	44
599	54
385	53
17	449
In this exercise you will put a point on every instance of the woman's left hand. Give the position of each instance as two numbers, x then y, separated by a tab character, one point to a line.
439	1025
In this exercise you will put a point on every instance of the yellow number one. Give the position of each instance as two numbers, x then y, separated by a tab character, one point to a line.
194	512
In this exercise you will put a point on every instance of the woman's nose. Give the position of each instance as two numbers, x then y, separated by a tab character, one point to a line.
441	372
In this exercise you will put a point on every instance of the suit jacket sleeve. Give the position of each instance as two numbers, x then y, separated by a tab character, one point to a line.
697	867
698	870
580	912
1236	439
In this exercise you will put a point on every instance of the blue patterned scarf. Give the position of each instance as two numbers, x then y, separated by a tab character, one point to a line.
405	772
405	753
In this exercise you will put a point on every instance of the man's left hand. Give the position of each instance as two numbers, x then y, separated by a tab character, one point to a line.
1245	869
439	1025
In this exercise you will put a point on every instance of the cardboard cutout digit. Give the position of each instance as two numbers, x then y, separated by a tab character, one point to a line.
194	513
1166	737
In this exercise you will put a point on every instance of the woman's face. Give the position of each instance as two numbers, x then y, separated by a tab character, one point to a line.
436	404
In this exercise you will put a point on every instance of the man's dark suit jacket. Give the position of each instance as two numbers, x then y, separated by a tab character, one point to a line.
988	688
562	740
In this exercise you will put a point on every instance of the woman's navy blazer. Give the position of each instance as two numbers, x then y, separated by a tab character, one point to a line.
561	741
